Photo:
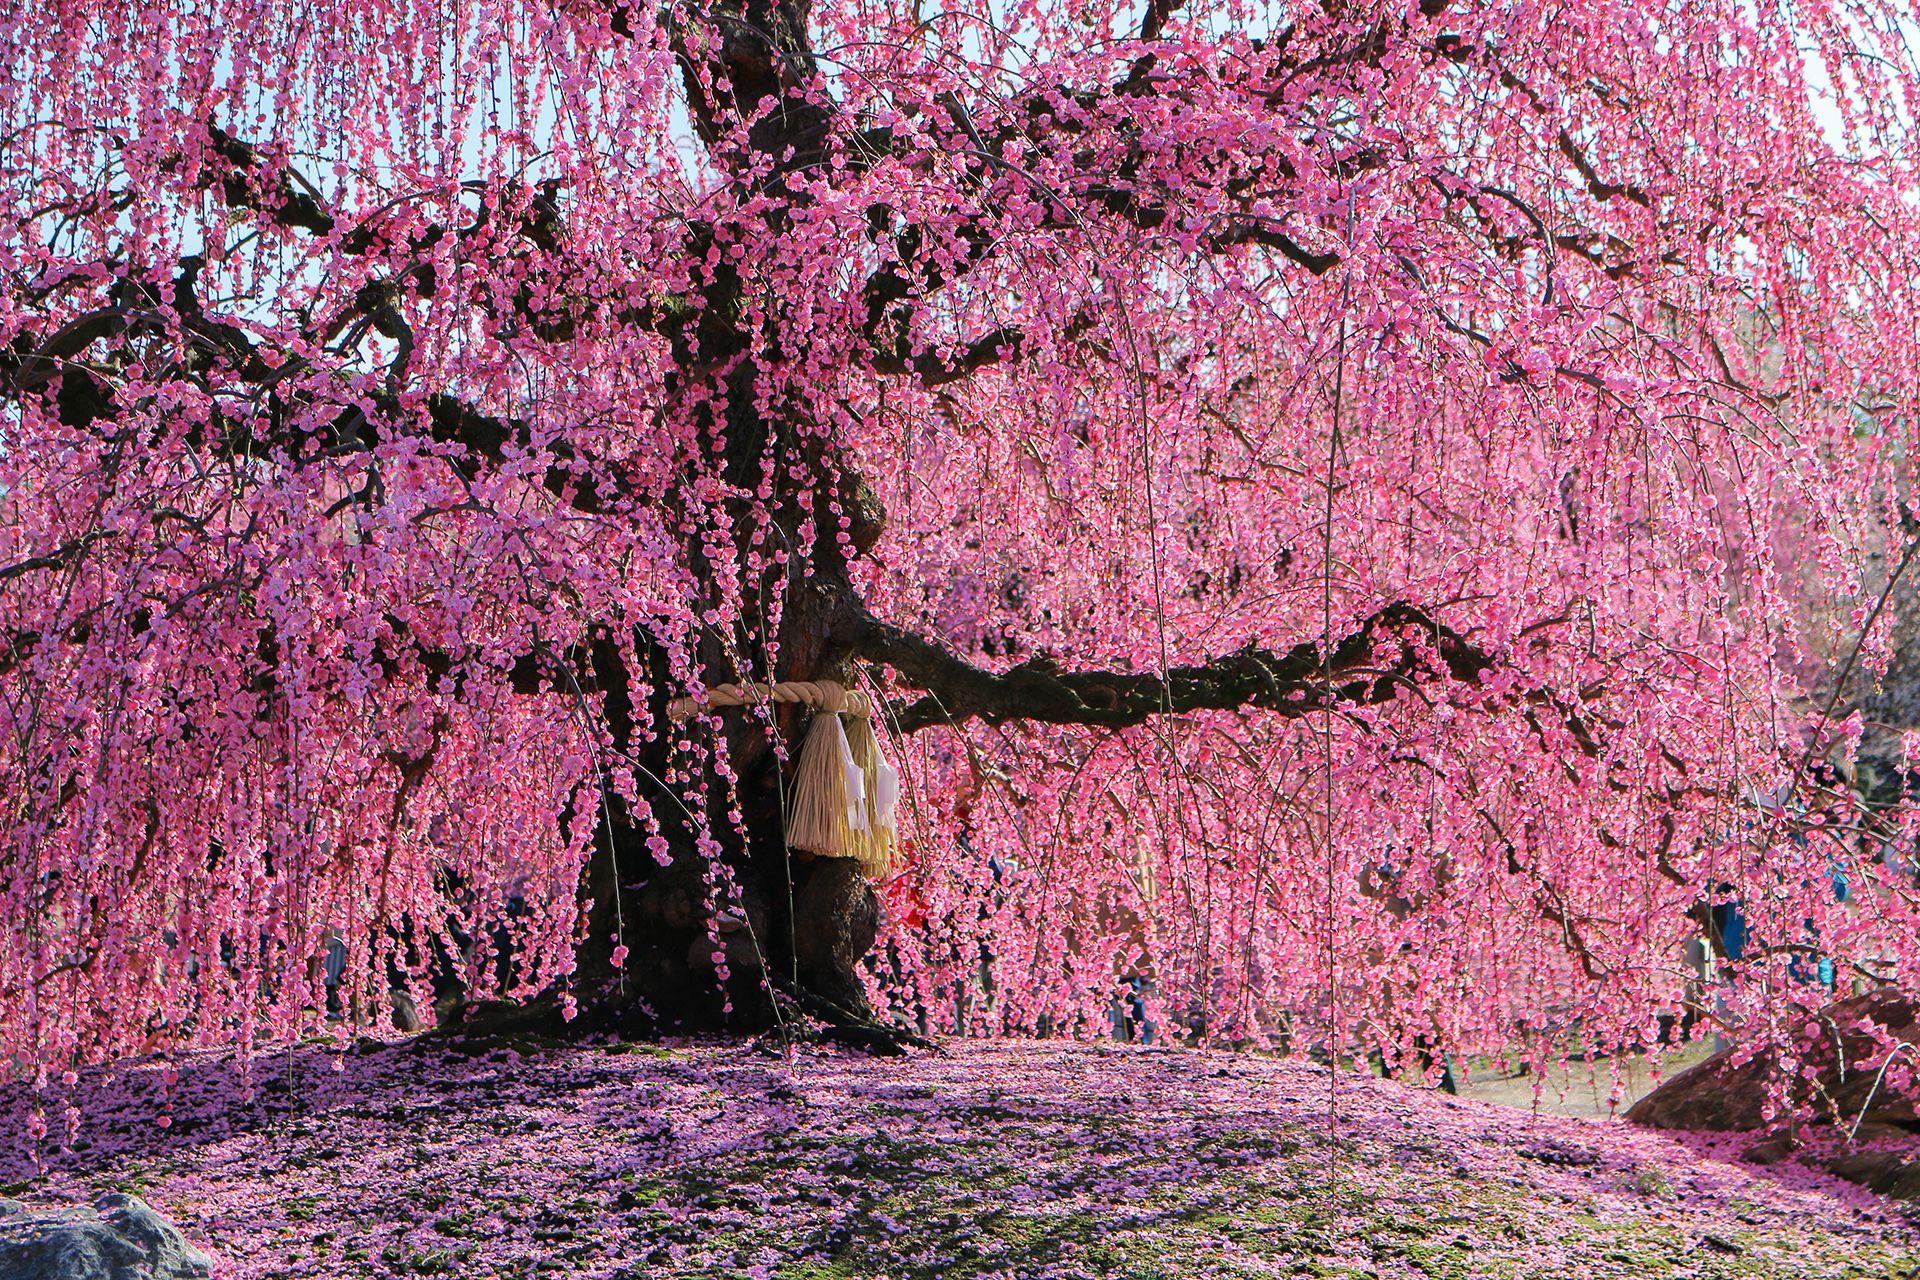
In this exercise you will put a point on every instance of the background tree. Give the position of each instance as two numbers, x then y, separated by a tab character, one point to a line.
1320	491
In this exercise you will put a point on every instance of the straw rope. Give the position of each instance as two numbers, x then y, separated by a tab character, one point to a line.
822	695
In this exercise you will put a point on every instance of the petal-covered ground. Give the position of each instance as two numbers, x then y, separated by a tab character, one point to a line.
982	1159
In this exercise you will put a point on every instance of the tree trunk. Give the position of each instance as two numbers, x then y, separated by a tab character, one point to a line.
738	948
795	932
784	931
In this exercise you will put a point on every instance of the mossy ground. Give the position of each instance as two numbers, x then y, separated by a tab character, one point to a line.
1002	1160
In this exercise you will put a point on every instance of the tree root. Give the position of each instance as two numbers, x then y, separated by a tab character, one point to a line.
852	1029
793	1007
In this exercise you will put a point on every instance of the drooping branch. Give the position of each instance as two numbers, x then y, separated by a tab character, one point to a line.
1060	122
1397	645
289	419
58	558
247	179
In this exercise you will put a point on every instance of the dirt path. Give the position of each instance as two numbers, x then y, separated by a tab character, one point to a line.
1579	1089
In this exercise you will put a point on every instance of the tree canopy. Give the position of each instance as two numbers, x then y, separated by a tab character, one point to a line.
1350	509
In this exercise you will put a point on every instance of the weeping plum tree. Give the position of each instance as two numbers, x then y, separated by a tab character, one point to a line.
1339	507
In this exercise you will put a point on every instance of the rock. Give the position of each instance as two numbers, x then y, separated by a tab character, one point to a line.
1781	1146
1722	1094
1858	1115
1891	1173
122	1239
1717	1094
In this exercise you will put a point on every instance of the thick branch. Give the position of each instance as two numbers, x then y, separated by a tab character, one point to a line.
1036	120
1358	671
936	370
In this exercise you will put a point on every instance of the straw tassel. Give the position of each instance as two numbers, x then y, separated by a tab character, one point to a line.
844	790
817	821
